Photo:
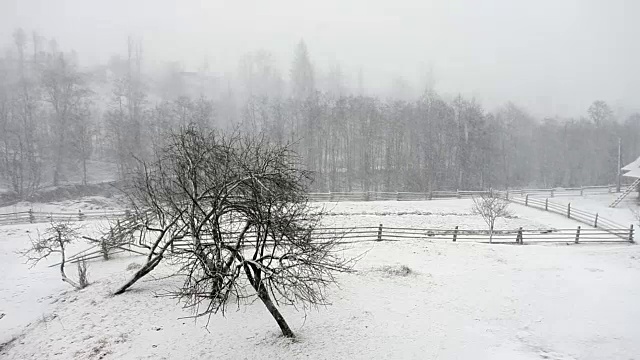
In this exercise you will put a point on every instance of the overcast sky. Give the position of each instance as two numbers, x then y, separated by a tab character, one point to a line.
551	56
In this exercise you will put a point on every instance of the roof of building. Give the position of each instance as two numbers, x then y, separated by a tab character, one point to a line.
632	169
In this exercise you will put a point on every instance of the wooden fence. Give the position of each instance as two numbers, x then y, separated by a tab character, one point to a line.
32	217
458	194
514	236
396	196
585	217
527	197
363	234
577	191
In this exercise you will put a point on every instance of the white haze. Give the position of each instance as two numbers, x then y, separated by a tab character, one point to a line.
552	57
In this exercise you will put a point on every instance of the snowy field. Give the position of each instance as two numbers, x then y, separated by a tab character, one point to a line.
460	300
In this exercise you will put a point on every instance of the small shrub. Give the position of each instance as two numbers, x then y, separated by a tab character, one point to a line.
396	270
83	280
105	246
133	266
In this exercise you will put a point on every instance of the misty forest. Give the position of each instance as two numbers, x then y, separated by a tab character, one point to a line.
63	122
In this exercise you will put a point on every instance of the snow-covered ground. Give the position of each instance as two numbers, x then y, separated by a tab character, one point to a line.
461	301
86	204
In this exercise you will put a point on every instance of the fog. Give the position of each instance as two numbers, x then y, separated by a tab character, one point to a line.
373	96
553	58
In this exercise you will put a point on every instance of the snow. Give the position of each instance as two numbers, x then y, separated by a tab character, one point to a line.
87	204
461	301
632	169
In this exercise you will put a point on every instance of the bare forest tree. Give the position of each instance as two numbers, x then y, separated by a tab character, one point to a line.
302	73
234	211
84	130
19	114
65	91
125	118
491	207
55	240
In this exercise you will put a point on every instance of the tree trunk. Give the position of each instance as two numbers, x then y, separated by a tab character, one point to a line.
58	165
84	171
62	274
263	294
147	268
491	234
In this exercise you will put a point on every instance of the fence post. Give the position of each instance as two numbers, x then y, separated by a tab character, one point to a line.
595	222
380	233
546	204
507	194
521	192
578	234
552	190
458	192
569	210
32	217
526	200
631	234
80	215
519	236
455	234
430	194
581	190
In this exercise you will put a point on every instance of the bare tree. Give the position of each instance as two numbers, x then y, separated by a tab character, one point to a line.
125	119
54	241
302	73
65	91
490	207
20	128
84	131
236	212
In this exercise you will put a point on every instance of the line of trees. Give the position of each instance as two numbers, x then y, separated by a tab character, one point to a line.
363	143
58	120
